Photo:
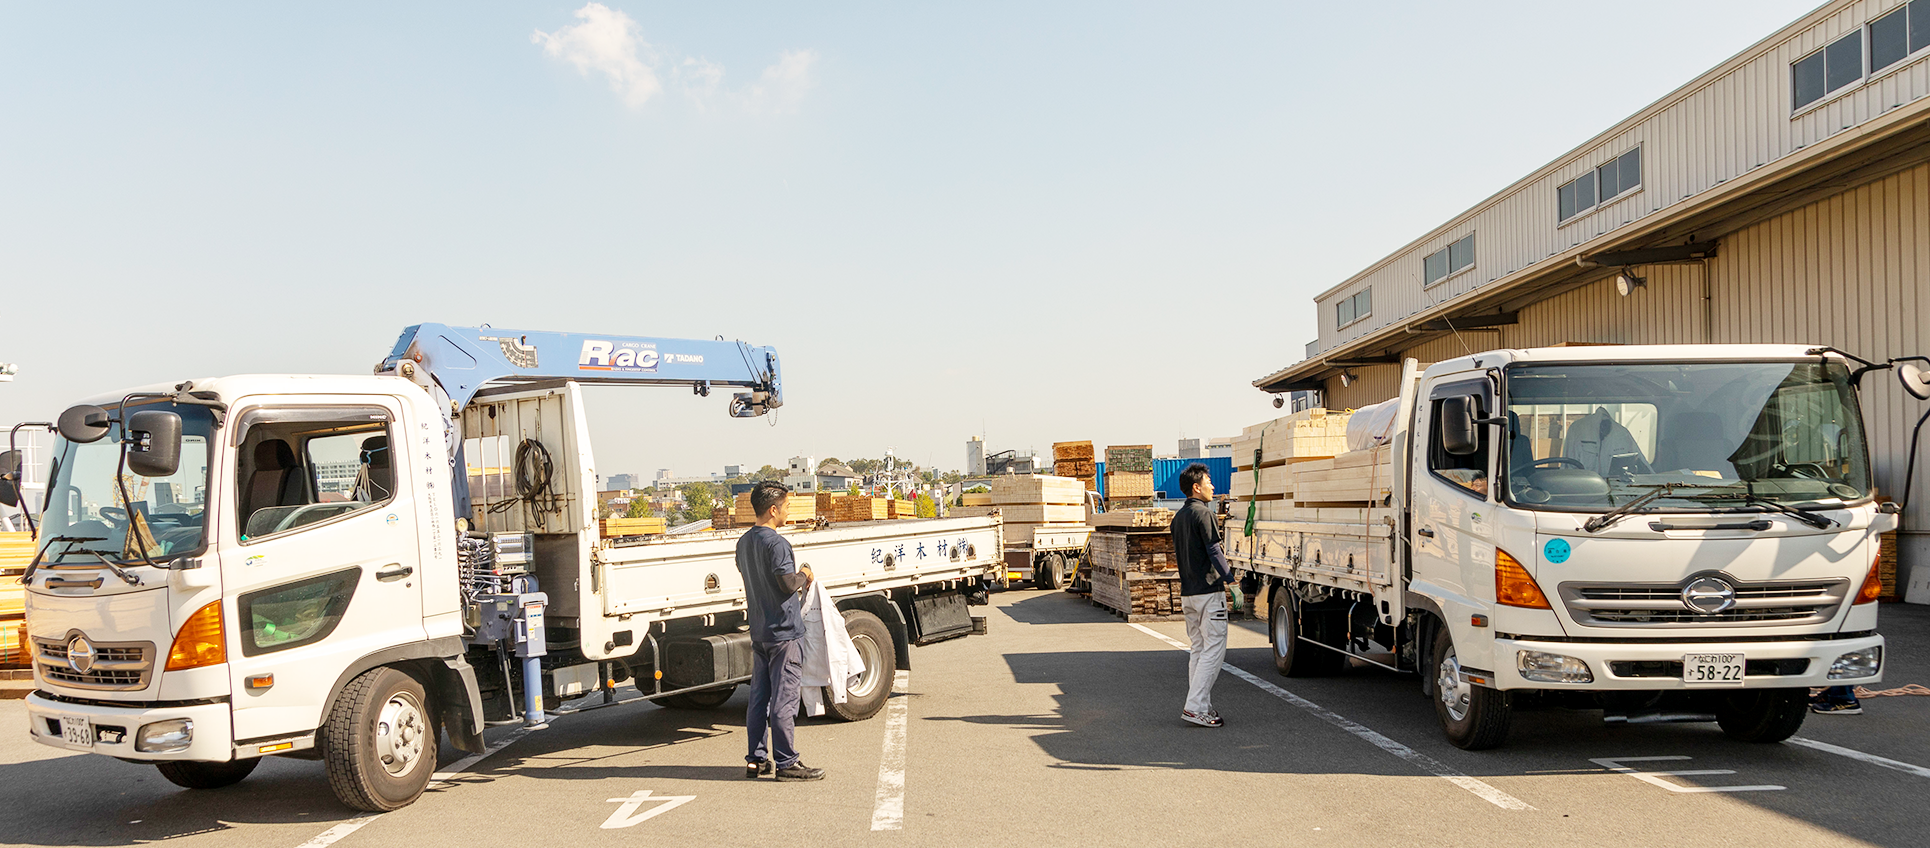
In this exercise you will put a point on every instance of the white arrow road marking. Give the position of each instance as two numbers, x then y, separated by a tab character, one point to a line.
627	815
1854	754
888	812
1654	778
1419	760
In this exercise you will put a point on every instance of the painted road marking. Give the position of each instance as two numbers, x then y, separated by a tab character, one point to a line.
1854	754
888	812
626	814
1415	758
1654	778
337	833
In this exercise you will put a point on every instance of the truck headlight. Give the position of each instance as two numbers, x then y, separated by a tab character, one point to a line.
1543	667
1864	663
165	737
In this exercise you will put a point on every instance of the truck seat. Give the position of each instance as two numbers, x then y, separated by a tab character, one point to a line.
274	480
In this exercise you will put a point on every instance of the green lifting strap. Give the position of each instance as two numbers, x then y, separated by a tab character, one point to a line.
1253	506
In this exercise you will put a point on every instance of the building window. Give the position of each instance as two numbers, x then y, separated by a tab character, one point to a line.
1616	177
1354	307
1830	69
1448	261
1898	34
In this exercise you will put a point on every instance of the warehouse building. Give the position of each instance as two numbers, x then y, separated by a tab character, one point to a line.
1783	196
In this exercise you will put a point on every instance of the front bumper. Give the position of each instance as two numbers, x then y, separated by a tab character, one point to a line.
213	729
1611	662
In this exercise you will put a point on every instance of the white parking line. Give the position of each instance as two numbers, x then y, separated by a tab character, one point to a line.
1415	758
340	831
888	812
1854	754
1654	778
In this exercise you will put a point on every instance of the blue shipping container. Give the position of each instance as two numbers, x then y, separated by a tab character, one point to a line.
1166	475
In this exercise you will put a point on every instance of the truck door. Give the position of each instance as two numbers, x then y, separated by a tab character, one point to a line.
320	556
1453	508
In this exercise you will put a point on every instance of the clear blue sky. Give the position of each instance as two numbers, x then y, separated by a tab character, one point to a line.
1042	221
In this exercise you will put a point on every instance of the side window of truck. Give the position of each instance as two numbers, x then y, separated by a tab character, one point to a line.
303	466
1468	471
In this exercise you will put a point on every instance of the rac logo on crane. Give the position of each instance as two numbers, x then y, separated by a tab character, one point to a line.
598	355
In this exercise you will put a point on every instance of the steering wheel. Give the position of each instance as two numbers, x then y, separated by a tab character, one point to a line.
1804	471
1557	462
115	514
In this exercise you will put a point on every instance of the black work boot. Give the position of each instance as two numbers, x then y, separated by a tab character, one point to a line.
761	767
800	771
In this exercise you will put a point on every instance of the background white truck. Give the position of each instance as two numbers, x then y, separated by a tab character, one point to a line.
1666	533
342	568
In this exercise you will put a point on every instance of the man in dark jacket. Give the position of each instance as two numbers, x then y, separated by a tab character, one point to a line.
1203	580
772	582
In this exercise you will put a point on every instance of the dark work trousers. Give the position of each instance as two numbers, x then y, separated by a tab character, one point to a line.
775	689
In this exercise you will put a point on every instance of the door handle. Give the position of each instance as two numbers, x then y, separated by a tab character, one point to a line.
1426	531
394	572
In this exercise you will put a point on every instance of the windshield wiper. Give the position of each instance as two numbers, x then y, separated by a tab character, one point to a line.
1656	490
70	541
1751	498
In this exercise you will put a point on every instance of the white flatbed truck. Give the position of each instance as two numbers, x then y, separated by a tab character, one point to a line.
1664	533
344	568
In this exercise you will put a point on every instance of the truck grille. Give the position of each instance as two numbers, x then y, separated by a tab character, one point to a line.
1661	605
117	666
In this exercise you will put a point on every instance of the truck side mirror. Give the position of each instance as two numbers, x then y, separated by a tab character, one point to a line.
1458	434
10	478
154	443
1914	380
84	424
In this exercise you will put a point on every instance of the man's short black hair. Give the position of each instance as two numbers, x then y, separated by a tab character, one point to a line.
765	495
1191	477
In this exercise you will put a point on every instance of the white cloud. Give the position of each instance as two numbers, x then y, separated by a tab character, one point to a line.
610	43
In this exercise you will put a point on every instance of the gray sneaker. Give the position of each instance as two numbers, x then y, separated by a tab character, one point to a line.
1210	719
800	771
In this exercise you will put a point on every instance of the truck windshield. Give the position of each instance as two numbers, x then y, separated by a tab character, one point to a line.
84	502
1715	436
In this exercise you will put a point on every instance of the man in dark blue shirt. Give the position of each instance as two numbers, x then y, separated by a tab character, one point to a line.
772	582
1204	580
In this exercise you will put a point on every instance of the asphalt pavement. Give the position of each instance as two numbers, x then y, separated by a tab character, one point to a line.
1059	727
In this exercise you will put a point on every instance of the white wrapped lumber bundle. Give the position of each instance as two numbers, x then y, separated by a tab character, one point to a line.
1155	517
1042	513
1024	532
1038	489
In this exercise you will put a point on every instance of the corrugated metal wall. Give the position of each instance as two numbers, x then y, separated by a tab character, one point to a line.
1730	122
1851	271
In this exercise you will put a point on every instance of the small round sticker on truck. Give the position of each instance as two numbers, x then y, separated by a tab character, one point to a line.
1556	551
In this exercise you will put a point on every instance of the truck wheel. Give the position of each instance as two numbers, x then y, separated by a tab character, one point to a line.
702	699
1292	657
1473	717
1763	715
1045	574
379	744
207	775
865	697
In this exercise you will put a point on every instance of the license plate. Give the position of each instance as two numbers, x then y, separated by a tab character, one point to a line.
76	731
1712	670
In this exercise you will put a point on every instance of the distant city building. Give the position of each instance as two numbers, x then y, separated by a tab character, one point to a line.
624	481
733	471
836	476
1189	449
975	457
1219	446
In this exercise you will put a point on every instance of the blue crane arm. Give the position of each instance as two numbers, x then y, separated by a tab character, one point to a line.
461	360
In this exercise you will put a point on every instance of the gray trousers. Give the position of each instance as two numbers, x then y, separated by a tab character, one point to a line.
776	672
1206	631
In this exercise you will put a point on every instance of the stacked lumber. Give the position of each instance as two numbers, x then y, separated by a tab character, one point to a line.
1075	460
860	508
1303	465
1307	434
827	502
976	499
969	511
16	550
798	511
1129	472
1134	573
1886	567
1154	517
1038	501
610	527
904	509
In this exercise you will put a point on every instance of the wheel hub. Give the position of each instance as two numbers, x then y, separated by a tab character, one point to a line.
1455	690
400	734
867	651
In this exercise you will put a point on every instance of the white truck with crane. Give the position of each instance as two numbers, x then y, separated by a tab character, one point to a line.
1666	533
204	596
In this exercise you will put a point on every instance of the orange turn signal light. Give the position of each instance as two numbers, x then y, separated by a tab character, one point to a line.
1872	589
201	641
1513	586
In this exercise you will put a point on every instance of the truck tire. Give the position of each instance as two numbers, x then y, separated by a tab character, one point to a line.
1291	656
864	698
1472	717
1047	573
1763	715
207	775
379	744
702	699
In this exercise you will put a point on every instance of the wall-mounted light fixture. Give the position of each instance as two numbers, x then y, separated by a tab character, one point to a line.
1626	282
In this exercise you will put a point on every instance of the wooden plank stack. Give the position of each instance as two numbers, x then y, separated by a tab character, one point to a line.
1886	567
610	527
1129	476
1303	463
1075	460
976	499
1154	517
798	511
1030	502
16	550
904	509
860	508
1134	573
